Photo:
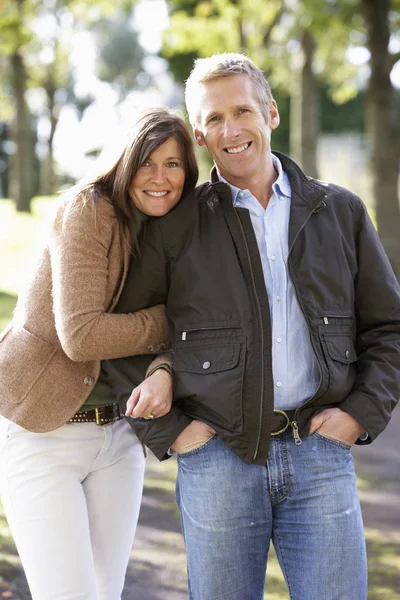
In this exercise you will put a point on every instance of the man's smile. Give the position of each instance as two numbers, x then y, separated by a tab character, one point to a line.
238	149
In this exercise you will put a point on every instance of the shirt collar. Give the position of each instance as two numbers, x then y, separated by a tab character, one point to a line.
280	187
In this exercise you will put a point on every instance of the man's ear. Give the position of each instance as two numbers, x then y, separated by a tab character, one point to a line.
273	115
198	136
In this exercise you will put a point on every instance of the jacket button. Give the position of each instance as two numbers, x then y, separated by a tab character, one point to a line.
88	380
206	365
347	354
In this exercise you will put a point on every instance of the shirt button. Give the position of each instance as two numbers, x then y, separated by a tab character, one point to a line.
278	298
240	194
206	364
278	384
88	380
273	257
279	340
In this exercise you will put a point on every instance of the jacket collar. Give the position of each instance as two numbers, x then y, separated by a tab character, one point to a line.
304	189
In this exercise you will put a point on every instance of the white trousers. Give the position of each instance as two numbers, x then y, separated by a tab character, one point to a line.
72	499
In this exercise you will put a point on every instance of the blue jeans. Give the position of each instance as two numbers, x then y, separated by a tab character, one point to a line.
304	499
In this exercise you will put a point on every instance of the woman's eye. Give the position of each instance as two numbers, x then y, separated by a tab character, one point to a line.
146	163
172	164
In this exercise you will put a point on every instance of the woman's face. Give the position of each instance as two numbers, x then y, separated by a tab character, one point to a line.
158	184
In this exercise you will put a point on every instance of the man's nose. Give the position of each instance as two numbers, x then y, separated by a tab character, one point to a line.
231	129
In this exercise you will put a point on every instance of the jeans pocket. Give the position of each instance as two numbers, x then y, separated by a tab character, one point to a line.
332	442
197	449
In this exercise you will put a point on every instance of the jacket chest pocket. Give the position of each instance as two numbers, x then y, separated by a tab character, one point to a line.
209	380
341	359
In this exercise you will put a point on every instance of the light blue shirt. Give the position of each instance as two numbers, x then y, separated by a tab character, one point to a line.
294	366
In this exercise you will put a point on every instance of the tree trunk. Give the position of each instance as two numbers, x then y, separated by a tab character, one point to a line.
23	163
304	110
49	178
383	130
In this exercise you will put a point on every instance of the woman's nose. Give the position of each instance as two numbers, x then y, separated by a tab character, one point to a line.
158	175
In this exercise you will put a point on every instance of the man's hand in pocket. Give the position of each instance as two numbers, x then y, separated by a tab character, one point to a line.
195	435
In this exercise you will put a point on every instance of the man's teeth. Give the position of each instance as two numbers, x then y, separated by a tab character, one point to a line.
237	149
156	194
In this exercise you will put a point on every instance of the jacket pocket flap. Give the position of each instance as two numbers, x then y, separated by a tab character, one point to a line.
341	349
207	359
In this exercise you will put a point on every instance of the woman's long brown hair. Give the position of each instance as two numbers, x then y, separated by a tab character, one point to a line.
117	166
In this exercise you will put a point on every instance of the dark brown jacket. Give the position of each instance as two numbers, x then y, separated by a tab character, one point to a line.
203	261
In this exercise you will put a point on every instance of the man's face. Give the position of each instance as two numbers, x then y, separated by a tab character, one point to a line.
234	129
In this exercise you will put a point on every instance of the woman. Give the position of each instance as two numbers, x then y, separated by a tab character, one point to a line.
66	481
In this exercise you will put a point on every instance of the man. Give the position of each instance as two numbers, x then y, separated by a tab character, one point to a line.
285	321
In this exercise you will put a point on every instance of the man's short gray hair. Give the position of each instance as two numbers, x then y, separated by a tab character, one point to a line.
224	65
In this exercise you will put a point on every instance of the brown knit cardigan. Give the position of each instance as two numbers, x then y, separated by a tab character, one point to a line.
63	327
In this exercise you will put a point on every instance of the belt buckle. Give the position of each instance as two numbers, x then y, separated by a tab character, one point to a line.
97	416
106	421
281	412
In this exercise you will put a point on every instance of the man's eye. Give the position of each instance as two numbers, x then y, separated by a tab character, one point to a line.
242	111
213	118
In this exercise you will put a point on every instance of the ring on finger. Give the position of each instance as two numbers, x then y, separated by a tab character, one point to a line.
149	416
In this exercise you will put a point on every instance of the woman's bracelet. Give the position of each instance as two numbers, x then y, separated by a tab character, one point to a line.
164	366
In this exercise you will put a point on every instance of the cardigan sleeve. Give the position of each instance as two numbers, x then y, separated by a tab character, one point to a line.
80	245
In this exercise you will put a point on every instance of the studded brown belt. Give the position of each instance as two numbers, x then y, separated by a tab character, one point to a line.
102	415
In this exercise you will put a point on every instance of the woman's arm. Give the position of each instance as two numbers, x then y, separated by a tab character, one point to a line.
80	247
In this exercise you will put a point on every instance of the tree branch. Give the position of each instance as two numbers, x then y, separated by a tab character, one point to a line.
271	26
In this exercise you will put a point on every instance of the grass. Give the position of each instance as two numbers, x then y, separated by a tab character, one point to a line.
7	303
21	237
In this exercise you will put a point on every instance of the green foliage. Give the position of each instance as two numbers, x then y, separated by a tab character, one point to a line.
14	32
344	117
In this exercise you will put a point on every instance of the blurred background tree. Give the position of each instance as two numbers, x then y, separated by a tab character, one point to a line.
38	78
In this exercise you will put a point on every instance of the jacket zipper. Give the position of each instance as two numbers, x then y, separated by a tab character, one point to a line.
184	333
261	337
326	318
293	424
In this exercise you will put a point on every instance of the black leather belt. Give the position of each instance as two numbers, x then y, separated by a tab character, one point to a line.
102	415
281	420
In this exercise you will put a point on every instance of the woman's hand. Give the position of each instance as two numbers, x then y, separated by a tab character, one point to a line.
152	397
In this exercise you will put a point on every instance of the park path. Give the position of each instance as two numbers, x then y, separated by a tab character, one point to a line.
379	465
